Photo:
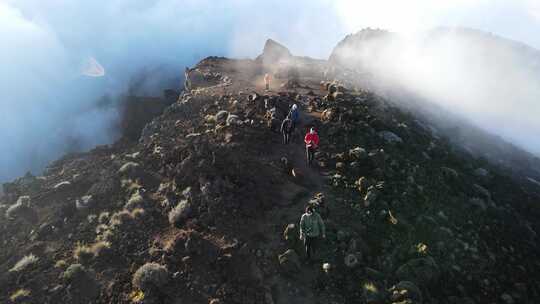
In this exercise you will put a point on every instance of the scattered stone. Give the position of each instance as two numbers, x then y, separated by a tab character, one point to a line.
234	120
62	185
22	209
481	172
351	260
180	213
221	117
483	191
84	203
390	137
478	203
358	153
507	298
405	292
371	196
130	169
449	173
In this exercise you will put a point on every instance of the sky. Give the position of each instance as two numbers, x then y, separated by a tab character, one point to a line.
514	19
59	57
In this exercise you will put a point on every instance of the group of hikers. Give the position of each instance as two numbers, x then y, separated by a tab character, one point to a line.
289	124
312	226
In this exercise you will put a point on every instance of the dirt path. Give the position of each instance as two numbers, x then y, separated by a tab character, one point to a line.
300	288
295	195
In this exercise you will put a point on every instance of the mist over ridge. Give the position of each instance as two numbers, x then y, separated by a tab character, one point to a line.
50	107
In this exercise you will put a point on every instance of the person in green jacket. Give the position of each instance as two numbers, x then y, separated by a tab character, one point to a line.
311	228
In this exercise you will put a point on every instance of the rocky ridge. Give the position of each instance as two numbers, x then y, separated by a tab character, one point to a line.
204	207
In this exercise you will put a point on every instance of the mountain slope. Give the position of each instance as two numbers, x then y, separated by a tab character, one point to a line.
462	81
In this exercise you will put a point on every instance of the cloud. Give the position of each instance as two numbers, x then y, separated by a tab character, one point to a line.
491	82
515	19
49	108
533	8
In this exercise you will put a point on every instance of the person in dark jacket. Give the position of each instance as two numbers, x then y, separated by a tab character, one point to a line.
294	114
286	129
311	229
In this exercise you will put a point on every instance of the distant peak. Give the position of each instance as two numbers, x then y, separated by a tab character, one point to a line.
274	51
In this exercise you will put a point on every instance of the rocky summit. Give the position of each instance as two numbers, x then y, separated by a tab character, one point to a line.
204	205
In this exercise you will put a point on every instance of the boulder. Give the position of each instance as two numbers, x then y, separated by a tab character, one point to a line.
327	115
390	137
221	117
507	299
482	191
449	173
342	236
351	260
358	153
233	120
371	196
274	52
481	172
405	292
422	271
194	244
179	214
22	209
129	169
478	203
62	185
84	203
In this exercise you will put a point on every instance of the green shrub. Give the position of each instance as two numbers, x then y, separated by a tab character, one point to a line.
75	272
150	277
83	254
20	296
24	263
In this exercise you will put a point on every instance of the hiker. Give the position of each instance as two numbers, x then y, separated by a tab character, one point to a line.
272	120
286	129
187	82
312	143
294	113
267	79
311	228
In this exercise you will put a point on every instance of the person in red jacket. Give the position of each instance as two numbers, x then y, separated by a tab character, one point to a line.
312	143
